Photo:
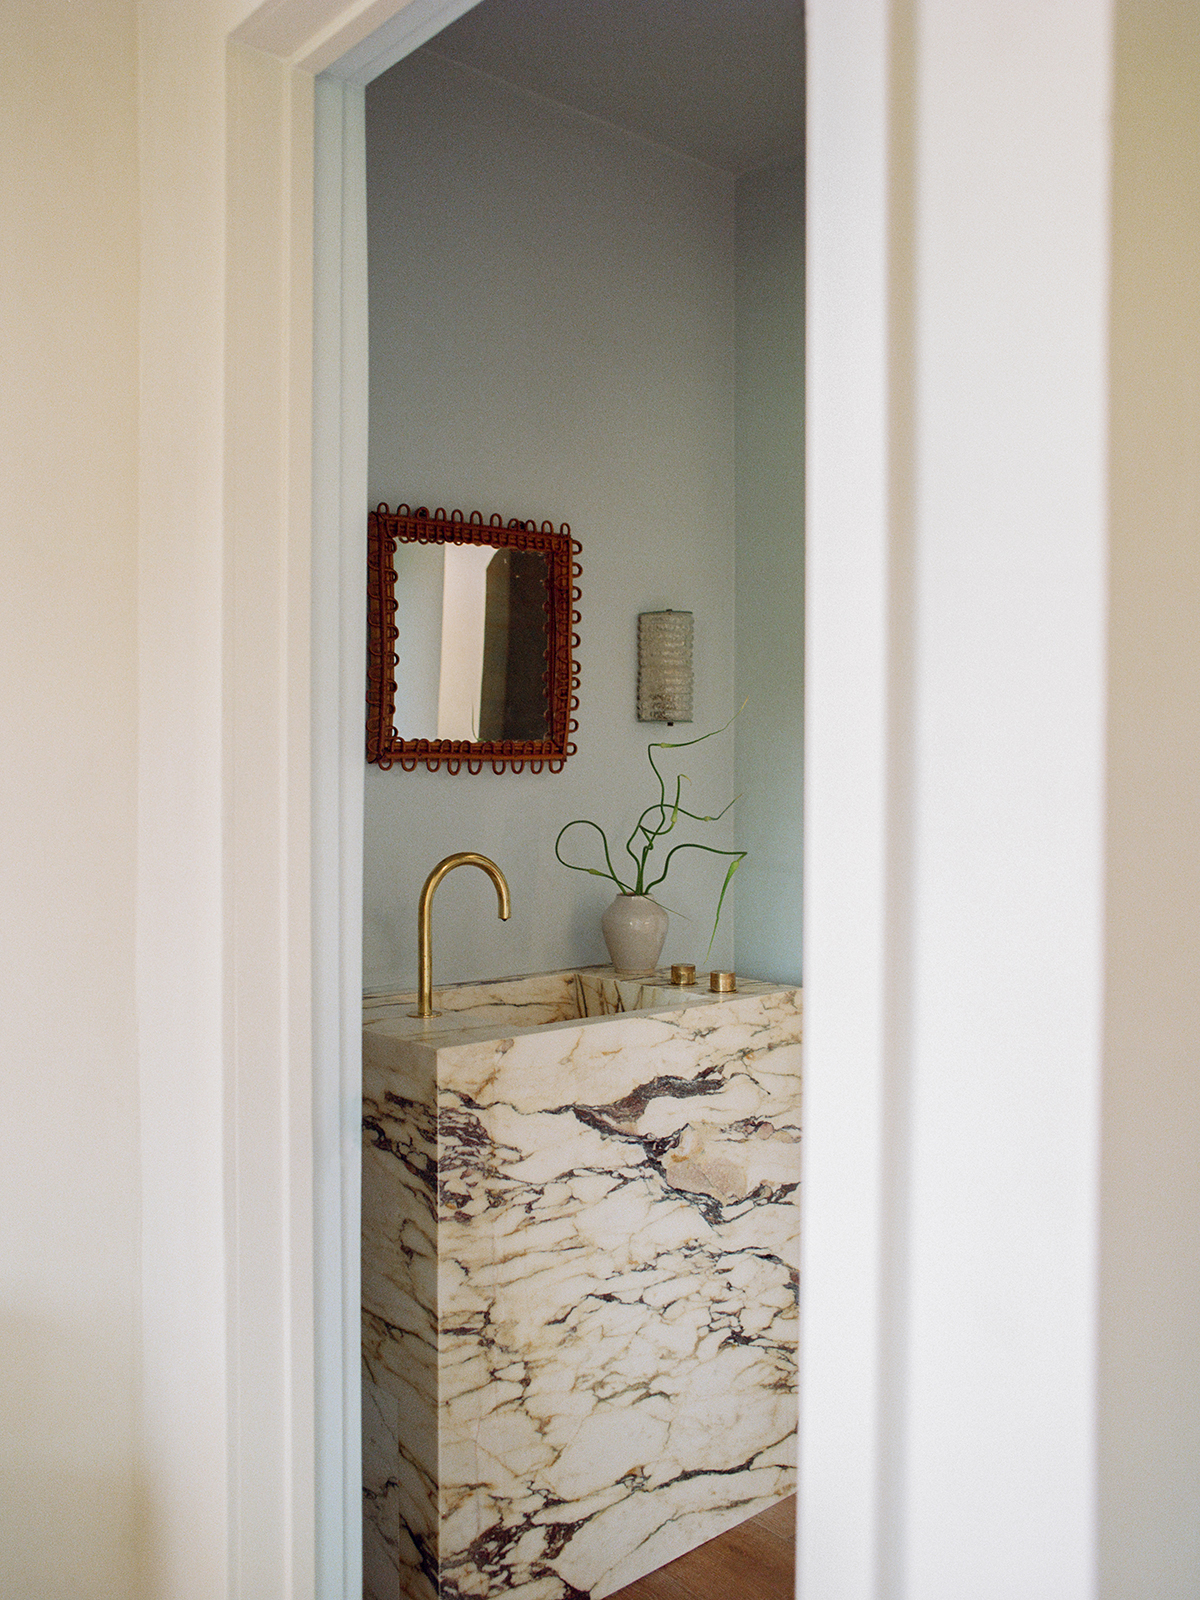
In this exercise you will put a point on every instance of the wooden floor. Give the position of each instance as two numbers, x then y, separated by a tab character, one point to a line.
754	1561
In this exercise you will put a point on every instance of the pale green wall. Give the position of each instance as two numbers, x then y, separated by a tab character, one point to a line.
769	608
552	336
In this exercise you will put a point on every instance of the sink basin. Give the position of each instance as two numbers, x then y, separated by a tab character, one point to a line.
580	1271
534	1001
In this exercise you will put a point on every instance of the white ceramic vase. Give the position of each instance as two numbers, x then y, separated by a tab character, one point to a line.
635	927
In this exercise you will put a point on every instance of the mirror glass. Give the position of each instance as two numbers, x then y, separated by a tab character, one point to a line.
482	617
472	642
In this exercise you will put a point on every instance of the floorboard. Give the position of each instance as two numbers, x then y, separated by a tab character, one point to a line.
754	1561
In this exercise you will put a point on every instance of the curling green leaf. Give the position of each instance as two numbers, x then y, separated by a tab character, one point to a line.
660	818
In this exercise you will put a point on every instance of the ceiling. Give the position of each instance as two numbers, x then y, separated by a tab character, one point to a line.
720	80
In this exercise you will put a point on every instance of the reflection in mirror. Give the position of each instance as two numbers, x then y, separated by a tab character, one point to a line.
472	642
483	633
513	703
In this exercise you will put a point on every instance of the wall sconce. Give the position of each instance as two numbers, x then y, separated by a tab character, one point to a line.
664	691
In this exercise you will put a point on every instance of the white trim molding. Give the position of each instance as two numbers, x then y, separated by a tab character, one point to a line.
958	237
339	672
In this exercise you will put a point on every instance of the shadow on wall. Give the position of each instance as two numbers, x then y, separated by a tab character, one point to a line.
75	1515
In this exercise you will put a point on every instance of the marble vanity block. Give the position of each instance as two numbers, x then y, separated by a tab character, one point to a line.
580	1251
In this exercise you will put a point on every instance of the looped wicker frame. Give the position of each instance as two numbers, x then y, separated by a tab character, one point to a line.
385	530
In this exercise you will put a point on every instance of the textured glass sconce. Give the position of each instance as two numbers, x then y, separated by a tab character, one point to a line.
664	666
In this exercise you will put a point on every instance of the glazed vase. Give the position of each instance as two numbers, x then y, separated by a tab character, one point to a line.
635	927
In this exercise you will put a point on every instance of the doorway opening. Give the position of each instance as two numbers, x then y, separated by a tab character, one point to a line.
710	514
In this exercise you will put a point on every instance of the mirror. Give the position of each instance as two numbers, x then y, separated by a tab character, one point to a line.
470	641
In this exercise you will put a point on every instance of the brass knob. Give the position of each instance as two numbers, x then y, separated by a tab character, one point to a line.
722	982
683	975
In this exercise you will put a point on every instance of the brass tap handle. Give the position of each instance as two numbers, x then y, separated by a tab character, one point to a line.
463	858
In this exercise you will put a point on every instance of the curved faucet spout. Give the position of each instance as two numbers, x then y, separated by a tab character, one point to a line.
464	858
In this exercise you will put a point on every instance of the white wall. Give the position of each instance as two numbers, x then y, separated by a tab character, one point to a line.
1006	876
769	604
74	1498
551	310
955	828
1150	1237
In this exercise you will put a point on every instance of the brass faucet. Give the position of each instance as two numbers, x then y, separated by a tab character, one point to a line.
463	858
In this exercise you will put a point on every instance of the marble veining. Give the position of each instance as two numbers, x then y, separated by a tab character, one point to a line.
579	1280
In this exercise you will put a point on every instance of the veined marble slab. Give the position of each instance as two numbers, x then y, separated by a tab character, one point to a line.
580	1264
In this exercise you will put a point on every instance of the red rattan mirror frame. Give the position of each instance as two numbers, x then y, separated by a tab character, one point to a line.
385	530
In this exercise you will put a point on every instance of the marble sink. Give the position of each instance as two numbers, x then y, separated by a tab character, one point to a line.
529	1002
580	1251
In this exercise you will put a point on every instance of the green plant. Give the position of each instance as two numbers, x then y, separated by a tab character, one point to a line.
655	823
